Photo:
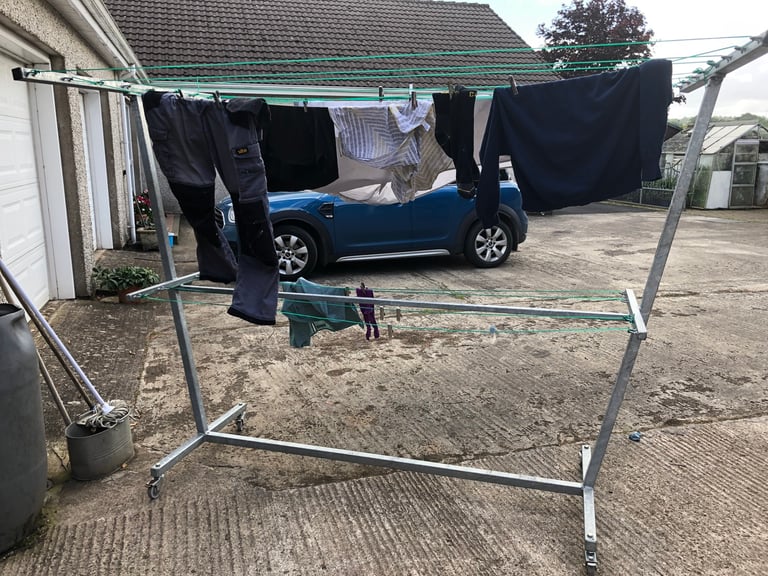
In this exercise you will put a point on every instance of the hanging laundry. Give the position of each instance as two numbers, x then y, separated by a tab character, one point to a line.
368	311
194	138
382	136
455	132
299	149
398	138
366	184
181	146
306	318
576	141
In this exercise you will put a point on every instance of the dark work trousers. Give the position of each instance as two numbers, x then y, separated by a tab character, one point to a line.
181	145
235	128
192	139
455	132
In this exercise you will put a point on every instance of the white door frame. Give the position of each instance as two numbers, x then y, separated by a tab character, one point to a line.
96	162
61	282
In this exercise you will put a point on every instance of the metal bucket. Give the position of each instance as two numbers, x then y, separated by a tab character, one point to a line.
96	454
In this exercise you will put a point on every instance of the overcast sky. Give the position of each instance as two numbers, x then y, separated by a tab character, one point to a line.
745	90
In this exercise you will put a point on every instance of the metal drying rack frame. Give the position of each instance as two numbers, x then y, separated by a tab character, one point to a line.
591	456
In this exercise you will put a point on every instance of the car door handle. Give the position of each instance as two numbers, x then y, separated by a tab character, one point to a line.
326	209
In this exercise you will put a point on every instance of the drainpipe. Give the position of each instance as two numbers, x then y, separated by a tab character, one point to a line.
128	159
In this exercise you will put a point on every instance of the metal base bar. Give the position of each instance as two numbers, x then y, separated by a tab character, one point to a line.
409	464
159	469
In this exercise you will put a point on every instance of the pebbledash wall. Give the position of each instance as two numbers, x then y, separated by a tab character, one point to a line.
63	192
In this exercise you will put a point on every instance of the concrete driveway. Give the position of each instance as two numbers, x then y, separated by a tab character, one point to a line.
688	498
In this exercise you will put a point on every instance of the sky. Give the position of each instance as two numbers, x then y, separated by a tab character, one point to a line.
744	90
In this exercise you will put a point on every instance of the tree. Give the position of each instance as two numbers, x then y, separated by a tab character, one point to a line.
595	22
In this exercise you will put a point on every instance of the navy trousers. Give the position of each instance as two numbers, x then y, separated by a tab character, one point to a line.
455	132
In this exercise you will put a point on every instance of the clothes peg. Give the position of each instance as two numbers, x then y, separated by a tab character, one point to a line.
305	105
513	85
451	90
217	97
381	93
413	99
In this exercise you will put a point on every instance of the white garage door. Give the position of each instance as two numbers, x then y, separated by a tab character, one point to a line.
22	238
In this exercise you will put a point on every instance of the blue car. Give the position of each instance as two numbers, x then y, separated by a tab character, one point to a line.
313	229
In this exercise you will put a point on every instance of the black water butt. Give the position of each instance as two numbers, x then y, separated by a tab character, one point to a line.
23	460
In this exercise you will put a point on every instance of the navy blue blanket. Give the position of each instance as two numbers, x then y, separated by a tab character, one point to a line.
576	141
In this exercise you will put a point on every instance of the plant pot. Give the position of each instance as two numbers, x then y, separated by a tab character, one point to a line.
147	238
122	295
93	455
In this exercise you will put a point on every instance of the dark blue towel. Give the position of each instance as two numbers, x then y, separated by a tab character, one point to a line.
576	141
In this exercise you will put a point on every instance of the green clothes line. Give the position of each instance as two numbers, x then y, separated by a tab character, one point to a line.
410	72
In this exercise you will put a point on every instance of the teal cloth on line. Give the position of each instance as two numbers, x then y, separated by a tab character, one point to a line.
306	318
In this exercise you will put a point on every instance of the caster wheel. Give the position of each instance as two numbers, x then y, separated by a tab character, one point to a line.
591	563
153	488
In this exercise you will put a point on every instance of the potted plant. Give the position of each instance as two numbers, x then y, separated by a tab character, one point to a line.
123	279
145	221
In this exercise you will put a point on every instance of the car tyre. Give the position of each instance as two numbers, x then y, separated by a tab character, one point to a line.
486	249
296	252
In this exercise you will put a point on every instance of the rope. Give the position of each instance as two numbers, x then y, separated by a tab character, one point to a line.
466	330
428	311
96	420
511	293
544	67
412	73
456	294
395	55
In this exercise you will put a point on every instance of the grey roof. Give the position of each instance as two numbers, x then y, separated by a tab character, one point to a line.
719	135
193	32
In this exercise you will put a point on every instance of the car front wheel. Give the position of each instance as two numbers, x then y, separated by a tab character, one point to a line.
296	252
488	247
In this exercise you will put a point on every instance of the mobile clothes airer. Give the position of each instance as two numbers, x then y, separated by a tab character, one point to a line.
102	415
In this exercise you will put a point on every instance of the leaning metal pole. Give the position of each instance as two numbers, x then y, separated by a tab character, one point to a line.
169	269
657	268
592	459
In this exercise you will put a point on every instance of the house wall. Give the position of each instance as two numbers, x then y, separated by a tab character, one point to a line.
41	26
